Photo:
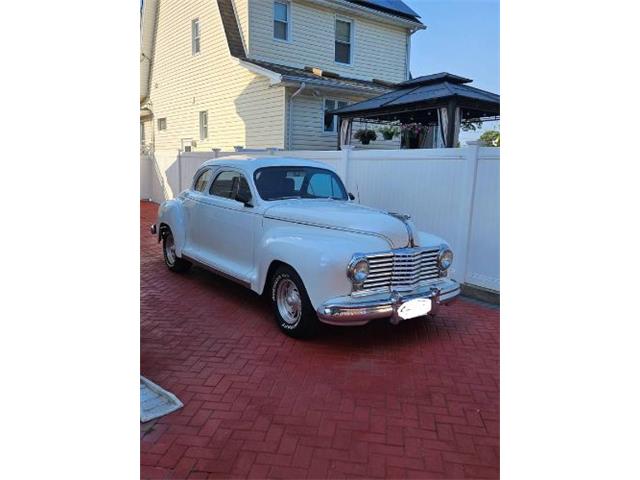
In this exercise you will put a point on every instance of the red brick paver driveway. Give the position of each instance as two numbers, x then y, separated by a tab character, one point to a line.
417	400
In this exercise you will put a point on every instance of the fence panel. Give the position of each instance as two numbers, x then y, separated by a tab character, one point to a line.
483	263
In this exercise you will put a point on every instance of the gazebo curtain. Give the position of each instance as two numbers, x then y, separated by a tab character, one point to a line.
345	132
443	122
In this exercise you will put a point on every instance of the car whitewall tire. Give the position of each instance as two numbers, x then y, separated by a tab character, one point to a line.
291	305
171	260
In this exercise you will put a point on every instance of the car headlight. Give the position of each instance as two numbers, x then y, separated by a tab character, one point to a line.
445	259
358	269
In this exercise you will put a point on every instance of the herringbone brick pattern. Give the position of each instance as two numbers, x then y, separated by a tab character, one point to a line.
418	400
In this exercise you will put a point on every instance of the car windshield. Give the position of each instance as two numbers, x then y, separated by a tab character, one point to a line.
278	183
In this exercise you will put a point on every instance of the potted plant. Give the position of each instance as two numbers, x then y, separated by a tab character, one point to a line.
389	131
365	136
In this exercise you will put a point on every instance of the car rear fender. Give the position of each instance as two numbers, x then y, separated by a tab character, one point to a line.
171	214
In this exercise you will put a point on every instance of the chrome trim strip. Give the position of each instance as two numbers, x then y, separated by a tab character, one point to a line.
329	227
216	271
404	219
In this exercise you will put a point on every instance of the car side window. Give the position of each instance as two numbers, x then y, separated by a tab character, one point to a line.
228	184
203	179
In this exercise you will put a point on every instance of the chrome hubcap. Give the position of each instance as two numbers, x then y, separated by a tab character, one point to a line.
289	301
170	249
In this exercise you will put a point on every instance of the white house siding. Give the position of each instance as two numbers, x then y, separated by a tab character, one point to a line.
243	109
379	50
308	121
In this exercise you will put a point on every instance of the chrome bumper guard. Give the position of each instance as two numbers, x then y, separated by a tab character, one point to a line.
359	311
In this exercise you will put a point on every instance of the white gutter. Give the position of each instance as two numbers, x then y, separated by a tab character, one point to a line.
290	119
274	78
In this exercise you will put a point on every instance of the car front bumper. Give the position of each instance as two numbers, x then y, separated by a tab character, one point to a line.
361	310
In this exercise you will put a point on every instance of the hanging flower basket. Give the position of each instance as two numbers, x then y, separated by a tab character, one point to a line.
389	131
365	136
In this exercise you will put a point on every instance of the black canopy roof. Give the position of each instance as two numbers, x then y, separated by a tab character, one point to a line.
429	91
421	99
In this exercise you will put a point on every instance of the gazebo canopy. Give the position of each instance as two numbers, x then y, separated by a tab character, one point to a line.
441	99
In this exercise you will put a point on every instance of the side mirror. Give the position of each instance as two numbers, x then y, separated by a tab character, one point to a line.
243	197
351	196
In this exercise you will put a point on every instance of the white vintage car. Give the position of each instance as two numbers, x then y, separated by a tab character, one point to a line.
288	228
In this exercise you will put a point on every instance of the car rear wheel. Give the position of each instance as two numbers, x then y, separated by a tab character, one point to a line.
171	260
293	310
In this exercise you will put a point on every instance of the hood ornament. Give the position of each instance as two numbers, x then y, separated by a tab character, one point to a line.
405	219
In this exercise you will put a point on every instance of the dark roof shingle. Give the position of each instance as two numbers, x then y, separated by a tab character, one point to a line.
231	29
336	81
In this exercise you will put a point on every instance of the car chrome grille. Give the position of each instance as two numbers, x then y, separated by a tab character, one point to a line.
401	269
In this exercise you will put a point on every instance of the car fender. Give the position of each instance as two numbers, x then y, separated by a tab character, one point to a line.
320	256
425	239
172	214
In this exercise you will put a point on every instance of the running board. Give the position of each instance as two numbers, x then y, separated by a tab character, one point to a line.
216	271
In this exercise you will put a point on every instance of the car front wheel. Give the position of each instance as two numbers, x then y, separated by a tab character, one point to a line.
292	307
171	260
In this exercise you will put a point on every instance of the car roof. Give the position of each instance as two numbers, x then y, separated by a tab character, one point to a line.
250	164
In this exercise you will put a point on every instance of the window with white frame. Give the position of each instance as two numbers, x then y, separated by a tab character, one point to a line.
331	120
195	36
162	124
344	37
204	125
281	20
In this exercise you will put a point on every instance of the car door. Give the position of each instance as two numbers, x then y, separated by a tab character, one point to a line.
193	199
229	225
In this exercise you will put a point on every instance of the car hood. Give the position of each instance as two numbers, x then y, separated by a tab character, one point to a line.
342	216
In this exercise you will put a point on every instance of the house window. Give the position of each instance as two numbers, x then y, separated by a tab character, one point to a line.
204	125
195	36
281	20
344	30
331	120
162	124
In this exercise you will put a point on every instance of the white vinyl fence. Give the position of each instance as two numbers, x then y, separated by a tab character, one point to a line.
452	192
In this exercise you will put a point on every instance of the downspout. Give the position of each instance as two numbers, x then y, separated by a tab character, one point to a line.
290	119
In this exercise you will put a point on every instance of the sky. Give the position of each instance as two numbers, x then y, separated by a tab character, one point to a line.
462	37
